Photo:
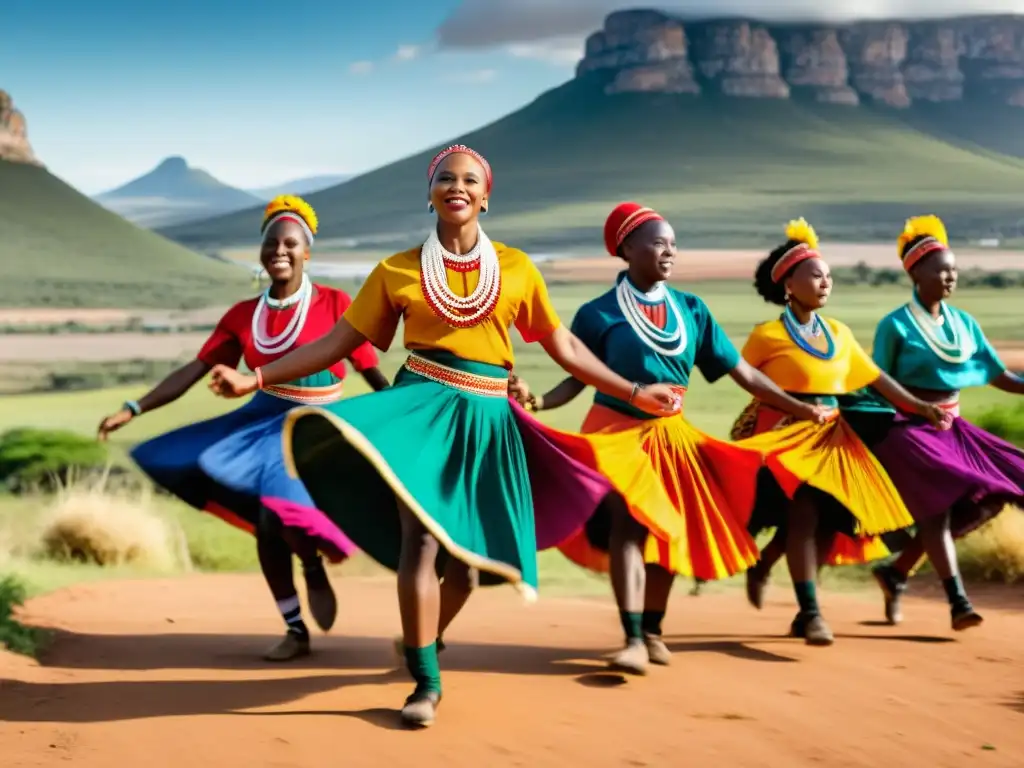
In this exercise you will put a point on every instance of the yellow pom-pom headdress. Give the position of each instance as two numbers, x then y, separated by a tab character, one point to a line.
806	247
930	234
293	208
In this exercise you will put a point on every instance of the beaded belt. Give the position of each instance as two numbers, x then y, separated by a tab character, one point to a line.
307	395
473	383
951	406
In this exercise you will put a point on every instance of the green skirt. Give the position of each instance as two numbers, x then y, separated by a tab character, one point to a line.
454	458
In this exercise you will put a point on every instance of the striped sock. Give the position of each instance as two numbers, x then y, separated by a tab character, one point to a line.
291	612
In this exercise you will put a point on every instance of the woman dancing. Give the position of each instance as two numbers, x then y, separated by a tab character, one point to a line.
444	460
953	481
647	331
245	445
833	483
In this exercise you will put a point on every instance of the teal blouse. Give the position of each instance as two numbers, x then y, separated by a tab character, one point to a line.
901	350
603	328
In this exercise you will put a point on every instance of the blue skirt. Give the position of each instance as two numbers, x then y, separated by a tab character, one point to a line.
232	466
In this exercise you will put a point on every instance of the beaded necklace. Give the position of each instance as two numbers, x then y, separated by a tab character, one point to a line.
801	334
664	342
460	311
272	345
956	351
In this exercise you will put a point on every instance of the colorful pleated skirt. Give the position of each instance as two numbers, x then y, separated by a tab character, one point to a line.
703	488
964	470
489	482
232	466
855	496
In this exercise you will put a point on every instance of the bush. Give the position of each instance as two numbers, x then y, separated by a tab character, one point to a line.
44	459
1006	422
995	552
14	636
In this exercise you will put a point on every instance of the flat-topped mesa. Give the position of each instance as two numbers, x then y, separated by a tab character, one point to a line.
14	146
891	63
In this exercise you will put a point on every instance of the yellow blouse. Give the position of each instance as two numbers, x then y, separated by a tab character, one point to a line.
773	352
392	293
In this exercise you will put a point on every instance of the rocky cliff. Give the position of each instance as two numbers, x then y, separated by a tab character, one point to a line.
14	144
894	63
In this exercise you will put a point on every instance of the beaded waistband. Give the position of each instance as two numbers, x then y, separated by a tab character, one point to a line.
307	395
488	386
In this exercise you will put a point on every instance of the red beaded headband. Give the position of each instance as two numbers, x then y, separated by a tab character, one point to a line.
924	247
463	149
798	253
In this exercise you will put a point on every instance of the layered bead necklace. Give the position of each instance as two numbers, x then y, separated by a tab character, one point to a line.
956	351
664	342
460	311
273	345
803	333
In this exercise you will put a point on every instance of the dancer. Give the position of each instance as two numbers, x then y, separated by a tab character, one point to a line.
245	445
953	481
445	460
831	480
645	330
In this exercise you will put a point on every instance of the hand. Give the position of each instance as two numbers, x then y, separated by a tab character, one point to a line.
113	423
937	417
230	383
819	414
518	389
658	400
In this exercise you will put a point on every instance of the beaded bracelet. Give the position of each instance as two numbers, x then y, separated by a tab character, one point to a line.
636	388
259	377
134	407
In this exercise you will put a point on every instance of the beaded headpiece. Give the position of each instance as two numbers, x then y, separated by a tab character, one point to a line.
623	221
464	150
292	208
932	234
806	247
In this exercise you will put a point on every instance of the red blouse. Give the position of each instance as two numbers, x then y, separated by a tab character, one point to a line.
231	340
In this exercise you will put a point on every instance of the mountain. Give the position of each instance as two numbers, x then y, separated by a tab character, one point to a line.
61	249
14	145
303	186
174	192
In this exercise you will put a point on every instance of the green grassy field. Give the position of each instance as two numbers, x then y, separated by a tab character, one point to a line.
727	172
60	249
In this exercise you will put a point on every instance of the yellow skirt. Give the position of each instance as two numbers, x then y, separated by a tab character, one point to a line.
833	459
708	487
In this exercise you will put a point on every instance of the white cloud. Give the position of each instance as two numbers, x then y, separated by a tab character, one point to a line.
562	51
490	23
360	67
407	52
475	76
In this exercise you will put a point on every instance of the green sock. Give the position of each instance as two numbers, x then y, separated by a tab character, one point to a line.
955	591
652	622
632	625
423	666
807	596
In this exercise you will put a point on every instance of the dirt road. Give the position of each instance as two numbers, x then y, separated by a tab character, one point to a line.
165	673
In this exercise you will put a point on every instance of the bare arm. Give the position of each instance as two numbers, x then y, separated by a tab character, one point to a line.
375	379
1009	382
894	392
571	353
176	384
561	394
768	392
338	344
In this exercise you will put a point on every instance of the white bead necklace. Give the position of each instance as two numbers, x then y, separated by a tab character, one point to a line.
272	345
460	311
959	350
668	343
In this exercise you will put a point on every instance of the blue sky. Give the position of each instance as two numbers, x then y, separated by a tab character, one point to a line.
255	96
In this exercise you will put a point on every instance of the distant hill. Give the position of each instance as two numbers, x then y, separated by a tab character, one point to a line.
175	192
727	171
303	186
58	248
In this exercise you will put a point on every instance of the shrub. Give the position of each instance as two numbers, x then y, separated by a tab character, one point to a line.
995	552
36	459
1006	422
14	636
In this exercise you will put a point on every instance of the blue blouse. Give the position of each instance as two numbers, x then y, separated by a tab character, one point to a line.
603	328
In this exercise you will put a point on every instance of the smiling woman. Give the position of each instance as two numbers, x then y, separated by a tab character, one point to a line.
244	447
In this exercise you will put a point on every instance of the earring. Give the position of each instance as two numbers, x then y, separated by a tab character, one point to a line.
430	207
483	210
